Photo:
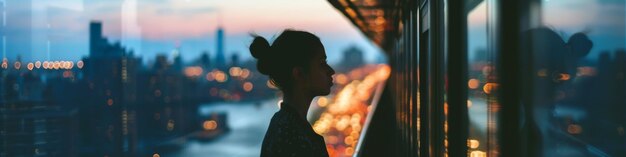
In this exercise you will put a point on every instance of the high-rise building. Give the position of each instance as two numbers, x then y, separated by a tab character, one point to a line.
220	60
352	58
110	71
205	60
31	124
100	47
95	38
171	111
178	60
234	59
35	128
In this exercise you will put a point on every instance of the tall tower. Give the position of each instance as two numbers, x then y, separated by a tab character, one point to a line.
220	60
95	38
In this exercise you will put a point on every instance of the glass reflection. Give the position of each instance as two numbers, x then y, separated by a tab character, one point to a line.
575	78
482	103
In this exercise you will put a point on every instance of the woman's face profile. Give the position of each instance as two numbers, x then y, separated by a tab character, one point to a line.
320	79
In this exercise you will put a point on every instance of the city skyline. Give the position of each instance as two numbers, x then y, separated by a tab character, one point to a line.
175	78
58	31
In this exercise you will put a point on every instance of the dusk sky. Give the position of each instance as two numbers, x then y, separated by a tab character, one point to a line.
602	19
150	27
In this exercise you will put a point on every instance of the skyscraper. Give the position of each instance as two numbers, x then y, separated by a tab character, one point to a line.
220	60
352	58
100	47
95	38
204	60
234	59
111	72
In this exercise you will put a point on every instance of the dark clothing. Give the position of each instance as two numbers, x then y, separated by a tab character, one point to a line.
291	135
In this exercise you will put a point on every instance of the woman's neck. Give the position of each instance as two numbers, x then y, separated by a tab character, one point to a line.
298	101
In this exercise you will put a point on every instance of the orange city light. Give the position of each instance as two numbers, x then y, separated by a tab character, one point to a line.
489	87
209	125
17	65
221	76
473	83
473	143
30	66
235	71
322	101
80	64
38	64
247	86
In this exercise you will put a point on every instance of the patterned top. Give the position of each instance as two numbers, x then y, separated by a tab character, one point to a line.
290	135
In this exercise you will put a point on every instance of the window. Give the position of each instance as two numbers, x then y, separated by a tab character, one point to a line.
575	78
482	81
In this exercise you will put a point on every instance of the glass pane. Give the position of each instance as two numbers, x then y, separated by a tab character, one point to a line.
575	84
170	78
482	103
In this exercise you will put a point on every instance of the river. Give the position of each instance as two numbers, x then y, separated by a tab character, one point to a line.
248	123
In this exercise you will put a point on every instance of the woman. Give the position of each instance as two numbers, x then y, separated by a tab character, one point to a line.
295	63
552	64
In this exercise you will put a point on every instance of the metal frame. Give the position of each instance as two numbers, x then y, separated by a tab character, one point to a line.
508	34
427	40
437	82
458	116
424	79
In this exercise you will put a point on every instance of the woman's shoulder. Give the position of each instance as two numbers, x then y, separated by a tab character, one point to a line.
284	122
284	134
287	135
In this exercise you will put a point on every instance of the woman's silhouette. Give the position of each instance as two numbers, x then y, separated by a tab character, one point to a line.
551	65
295	63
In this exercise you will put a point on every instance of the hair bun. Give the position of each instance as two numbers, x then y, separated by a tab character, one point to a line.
260	48
580	44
